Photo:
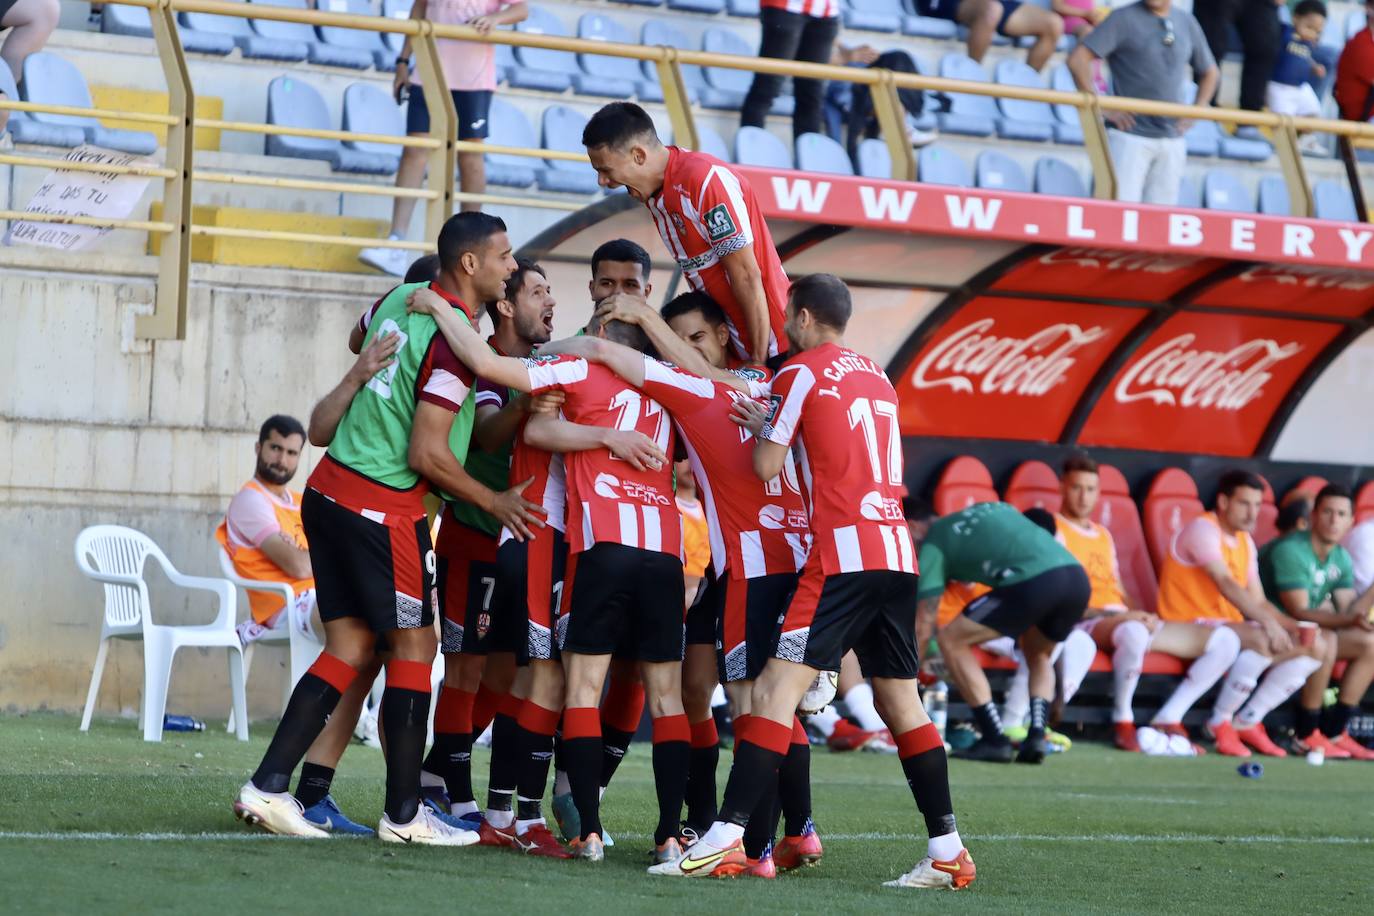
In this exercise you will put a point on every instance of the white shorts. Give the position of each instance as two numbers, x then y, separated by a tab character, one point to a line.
1300	101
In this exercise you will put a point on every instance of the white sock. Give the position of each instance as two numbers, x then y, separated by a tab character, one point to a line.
1282	681
1219	654
722	835
944	848
1240	683
428	779
859	702
1077	659
458	809
1130	640
500	818
601	793
825	721
1016	703
522	826
561	786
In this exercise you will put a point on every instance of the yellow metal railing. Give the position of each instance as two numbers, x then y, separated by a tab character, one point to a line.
179	172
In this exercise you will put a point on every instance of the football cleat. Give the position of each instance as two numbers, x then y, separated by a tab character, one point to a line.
703	860
591	849
820	694
670	850
538	840
275	812
1343	742
848	737
1124	737
1227	741
1258	738
566	816
762	867
798	851
425	829
1032	750
325	814
1319	742
955	875
882	743
491	835
991	750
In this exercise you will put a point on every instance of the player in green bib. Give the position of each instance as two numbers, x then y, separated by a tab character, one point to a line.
1310	576
369	541
1039	593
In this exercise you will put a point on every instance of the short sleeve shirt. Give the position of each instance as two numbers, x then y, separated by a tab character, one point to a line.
989	543
469	66
251	518
1289	564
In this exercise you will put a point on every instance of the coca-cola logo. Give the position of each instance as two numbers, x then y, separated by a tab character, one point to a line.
1309	277
1030	365
1101	258
1176	375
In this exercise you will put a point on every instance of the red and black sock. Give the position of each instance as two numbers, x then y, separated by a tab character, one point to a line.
451	755
534	737
312	701
794	782
763	823
760	747
621	711
672	754
313	784
582	756
922	751
701	775
405	716
503	773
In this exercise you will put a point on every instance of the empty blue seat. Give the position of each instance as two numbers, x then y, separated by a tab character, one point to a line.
644	2
756	146
745	9
24	129
614	77
999	172
1188	195
1061	80
971	115
656	32
292	103
1331	200
133	20
315	51
251	43
1053	175
1273	196
1222	190
369	109
1022	111
395	9
51	80
929	27
1203	139
935	165
709	7
563	131
819	153
726	88
874	159
873	15
712	143
510	128
542	68
358	40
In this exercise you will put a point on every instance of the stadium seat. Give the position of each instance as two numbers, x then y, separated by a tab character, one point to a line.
1222	190
655	32
249	42
875	161
756	146
1364	503
1012	72
1033	485
117	557
563	131
969	115
709	7
929	26
725	88
1061	80
712	143
1309	486
369	109
819	153
509	127
1117	512
1273	196
116	19
940	166
1055	176
24	129
541	68
999	172
292	103
1188	195
1266	527
1332	200
1171	503
964	481
316	52
395	9
872	15
53	80
745	9
612	77
370	42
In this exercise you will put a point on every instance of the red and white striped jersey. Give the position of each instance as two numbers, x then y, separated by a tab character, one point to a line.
757	529
705	212
821	9
549	488
608	500
839	411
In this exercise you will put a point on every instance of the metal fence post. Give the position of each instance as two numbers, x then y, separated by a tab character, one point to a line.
677	100
1099	151
1294	172
887	106
443	126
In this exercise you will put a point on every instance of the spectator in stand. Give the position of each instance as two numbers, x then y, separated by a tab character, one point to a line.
855	101
1079	16
29	22
1309	575
1355	73
1290	89
1257	22
470	72
803	30
1148	46
1360	544
1009	18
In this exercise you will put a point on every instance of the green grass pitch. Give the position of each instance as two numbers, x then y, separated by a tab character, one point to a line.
103	823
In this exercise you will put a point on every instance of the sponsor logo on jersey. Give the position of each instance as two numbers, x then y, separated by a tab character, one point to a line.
750	374
1178	376
877	508
720	225
1031	365
772	517
606	486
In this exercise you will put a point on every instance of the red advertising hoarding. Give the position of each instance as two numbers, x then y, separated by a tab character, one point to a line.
1295	288
1103	273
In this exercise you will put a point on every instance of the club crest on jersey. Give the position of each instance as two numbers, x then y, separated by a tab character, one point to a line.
720	225
483	624
679	223
750	374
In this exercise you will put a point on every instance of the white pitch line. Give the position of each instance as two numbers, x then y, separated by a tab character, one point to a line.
839	837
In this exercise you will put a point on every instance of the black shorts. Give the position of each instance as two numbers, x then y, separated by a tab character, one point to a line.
379	571
474	110
750	620
704	615
466	570
529	584
872	612
623	598
1052	602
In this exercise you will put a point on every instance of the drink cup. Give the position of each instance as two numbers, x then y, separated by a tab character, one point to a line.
1307	633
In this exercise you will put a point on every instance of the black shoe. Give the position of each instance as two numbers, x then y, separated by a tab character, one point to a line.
1032	750
991	750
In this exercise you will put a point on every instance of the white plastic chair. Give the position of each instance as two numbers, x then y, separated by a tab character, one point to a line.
303	649
115	556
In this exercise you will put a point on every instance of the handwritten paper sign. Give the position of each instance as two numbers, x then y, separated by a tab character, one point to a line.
67	192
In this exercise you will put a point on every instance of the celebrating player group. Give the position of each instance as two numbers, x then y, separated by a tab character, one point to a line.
558	566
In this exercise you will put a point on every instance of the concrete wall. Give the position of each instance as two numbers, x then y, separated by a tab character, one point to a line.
98	428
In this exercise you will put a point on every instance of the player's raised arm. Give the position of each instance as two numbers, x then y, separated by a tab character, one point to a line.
769	457
746	281
555	434
324	419
467	345
670	346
